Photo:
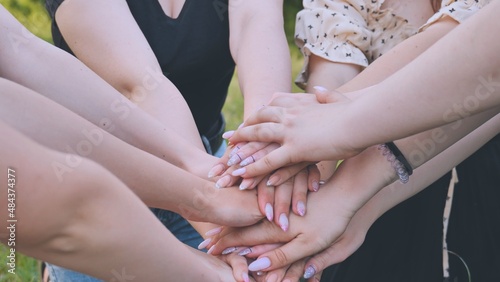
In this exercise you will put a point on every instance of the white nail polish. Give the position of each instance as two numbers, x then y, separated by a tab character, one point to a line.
269	211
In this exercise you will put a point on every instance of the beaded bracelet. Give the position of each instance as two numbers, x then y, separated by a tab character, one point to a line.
397	160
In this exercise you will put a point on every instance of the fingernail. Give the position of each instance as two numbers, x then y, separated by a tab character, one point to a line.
260	264
273	180
283	220
320	89
245	252
229	250
315	186
310	271
272	278
239	171
216	170
213	232
245	184
223	182
228	134
245	277
301	208
204	244
259	273
247	161
233	151
241	125
321	182
269	211
211	250
233	160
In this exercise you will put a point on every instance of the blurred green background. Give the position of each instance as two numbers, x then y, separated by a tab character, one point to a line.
32	14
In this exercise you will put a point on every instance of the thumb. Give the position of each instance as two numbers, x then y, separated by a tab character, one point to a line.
324	96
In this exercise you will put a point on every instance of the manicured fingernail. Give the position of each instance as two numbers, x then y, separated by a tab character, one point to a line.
247	161
269	211
211	250
310	271
315	186
273	180
233	151
245	184
216	170
321	182
245	252
241	125
320	89
229	250
260	264
223	182
234	160
283	220
228	134
204	244
301	208
239	171
245	277
213	232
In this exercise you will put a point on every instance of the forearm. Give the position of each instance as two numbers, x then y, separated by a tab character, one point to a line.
260	50
87	203
399	56
429	172
462	90
77	88
107	46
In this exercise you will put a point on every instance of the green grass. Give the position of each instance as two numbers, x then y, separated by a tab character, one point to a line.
33	16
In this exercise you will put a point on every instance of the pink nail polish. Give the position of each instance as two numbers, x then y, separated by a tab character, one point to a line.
315	186
245	184
245	252
228	134
204	244
247	161
261	263
211	250
269	212
320	89
273	180
239	171
310	271
301	208
245	277
213	232
234	160
229	250
216	170
223	182
283	220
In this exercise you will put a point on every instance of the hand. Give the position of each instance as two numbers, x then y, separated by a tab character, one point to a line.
295	127
325	221
230	267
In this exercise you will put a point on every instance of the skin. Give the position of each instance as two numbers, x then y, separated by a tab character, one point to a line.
85	195
274	125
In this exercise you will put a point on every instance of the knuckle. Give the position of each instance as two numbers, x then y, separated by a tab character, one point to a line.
281	257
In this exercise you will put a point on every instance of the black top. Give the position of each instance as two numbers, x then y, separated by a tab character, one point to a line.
193	52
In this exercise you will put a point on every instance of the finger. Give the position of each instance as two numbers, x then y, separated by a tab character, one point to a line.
292	99
227	179
221	165
266	114
294	272
324	96
239	266
299	193
336	253
265	198
316	277
257	155
282	201
313	178
250	183
256	251
276	275
285	173
263	232
246	151
293	251
272	161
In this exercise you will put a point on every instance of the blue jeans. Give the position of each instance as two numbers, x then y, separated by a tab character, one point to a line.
179	227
